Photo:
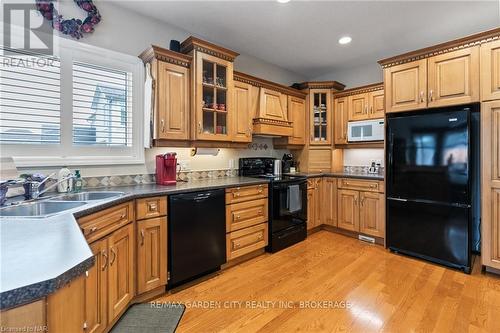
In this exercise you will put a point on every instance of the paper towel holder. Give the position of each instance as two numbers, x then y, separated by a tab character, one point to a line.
205	151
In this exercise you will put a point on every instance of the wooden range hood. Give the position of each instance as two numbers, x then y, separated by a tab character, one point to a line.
268	105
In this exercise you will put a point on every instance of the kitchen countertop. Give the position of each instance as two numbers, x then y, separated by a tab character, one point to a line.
40	255
369	176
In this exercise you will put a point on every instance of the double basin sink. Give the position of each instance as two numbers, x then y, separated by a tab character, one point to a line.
57	204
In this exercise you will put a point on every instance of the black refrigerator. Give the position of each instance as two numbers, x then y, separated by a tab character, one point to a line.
432	207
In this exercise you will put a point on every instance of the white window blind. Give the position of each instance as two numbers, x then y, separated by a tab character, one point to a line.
30	98
102	106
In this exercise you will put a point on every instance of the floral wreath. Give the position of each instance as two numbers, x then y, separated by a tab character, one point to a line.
73	27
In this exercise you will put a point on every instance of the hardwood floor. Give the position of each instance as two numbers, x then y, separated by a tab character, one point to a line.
383	292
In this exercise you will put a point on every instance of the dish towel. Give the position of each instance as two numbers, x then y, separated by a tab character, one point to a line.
294	198
148	106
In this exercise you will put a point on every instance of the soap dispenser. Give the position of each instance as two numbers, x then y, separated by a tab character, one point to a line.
77	181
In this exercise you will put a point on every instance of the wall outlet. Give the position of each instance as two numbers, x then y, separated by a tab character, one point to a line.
184	165
231	163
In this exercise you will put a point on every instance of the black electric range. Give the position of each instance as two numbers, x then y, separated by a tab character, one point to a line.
287	202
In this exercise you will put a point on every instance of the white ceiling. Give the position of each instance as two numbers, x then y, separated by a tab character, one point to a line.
301	36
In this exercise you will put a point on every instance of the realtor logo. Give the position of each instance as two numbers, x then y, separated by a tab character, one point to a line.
24	29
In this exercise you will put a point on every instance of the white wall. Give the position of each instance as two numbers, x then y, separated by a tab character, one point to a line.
362	157
354	77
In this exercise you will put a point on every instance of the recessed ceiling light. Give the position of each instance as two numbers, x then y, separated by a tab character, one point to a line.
283	1
345	40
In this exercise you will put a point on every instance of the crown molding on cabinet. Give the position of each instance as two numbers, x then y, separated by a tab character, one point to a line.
159	53
193	43
322	85
457	44
360	90
261	83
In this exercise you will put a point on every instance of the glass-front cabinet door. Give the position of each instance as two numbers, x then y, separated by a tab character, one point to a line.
213	98
320	116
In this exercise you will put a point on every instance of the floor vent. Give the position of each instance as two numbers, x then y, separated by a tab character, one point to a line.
366	239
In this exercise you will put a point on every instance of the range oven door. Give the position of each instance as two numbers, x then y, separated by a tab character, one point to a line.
288	204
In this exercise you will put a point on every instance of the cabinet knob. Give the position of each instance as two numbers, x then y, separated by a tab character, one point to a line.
152	207
123	216
238	217
237	245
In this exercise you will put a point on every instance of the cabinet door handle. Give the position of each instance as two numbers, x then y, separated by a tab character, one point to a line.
113	258
199	127
371	109
430	95
422	97
162	122
366	108
362	201
105	257
355	201
152	207
123	216
237	245
142	237
92	230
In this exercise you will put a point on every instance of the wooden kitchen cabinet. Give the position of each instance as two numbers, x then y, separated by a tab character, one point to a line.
329	201
313	203
320	116
297	115
490	174
151	254
96	289
171	96
212	90
348	210
453	78
358	107
372	214
361	206
490	71
376	104
341	111
66	308
406	86
243	119
120	270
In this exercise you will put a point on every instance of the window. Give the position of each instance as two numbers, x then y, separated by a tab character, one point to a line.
82	106
30	95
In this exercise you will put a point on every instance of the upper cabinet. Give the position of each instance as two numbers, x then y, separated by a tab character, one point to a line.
212	90
297	115
461	71
170	72
320	117
358	106
242	112
376	102
406	86
341	113
490	71
453	78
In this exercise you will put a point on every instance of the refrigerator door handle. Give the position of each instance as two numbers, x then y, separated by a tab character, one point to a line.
397	199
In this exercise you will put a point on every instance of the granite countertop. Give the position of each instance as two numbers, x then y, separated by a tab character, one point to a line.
372	176
39	255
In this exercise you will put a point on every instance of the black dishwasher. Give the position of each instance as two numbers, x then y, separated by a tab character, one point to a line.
196	235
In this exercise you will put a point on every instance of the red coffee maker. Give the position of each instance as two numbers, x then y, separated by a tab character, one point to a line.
166	169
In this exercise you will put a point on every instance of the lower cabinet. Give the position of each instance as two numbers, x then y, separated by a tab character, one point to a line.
109	284
66	308
151	254
121	270
348	217
329	201
246	220
314	202
361	207
96	289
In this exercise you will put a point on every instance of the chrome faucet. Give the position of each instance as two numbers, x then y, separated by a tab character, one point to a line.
35	186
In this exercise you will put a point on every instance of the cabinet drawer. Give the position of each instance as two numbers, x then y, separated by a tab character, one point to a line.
100	224
151	207
241	194
361	185
246	214
241	242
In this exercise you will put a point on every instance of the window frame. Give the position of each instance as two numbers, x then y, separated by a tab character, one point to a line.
67	153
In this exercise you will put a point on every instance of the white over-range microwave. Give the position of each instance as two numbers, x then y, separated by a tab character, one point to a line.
365	130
